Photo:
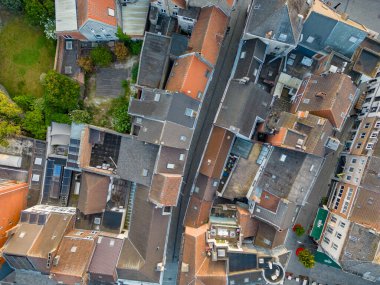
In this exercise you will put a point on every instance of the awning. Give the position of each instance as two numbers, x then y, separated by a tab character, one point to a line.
319	223
323	258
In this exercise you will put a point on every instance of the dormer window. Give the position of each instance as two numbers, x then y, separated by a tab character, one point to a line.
111	12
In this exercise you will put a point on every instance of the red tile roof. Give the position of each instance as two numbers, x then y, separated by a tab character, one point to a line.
198	212
189	75
165	189
208	33
96	10
202	270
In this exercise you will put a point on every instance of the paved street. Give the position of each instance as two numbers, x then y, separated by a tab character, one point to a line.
366	12
209	108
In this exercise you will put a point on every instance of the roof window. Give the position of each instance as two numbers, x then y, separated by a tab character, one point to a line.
111	12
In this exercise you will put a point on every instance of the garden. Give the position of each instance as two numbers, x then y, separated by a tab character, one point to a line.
34	94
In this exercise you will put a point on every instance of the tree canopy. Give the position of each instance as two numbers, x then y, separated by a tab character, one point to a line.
61	93
10	116
39	11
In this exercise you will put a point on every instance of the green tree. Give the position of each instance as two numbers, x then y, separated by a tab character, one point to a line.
34	123
133	46
121	51
123	37
299	230
120	120
86	64
13	5
8	109
7	131
306	258
81	116
24	101
101	56
39	11
61	93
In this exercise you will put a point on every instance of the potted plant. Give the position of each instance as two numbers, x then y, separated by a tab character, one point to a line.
298	229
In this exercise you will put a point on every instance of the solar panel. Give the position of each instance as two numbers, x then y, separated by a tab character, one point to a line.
66	182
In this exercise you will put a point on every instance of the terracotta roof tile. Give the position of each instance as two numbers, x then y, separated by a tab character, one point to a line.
180	3
330	96
98	10
201	269
366	210
189	75
93	193
165	188
198	212
216	152
208	33
249	226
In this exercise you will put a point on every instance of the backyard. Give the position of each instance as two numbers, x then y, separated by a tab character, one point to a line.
25	53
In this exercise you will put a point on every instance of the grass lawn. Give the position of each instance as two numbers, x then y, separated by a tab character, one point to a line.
25	53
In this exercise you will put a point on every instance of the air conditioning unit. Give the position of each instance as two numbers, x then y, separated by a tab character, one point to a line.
160	267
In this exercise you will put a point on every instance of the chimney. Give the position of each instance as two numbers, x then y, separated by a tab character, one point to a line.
302	114
321	95
269	34
344	16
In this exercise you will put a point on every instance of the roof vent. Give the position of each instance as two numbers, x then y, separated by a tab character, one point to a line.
320	95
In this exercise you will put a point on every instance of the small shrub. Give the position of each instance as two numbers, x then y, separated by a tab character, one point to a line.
80	116
135	47
306	258
101	56
298	229
121	51
86	64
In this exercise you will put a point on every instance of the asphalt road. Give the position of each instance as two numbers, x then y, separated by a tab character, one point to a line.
206	117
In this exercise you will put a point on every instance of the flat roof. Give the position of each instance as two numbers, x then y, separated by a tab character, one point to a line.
65	15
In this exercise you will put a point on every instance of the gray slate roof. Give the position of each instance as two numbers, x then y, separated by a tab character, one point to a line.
277	16
134	157
241	106
290	178
154	60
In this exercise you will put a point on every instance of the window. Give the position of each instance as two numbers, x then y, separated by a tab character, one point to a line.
144	172
353	39
182	157
338	235
170	166
359	145
366	126
333	219
342	225
330	229
349	194
326	240
306	101
348	177
369	146
98	37
334	246
351	169
362	135
189	112
310	39
111	12
354	160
